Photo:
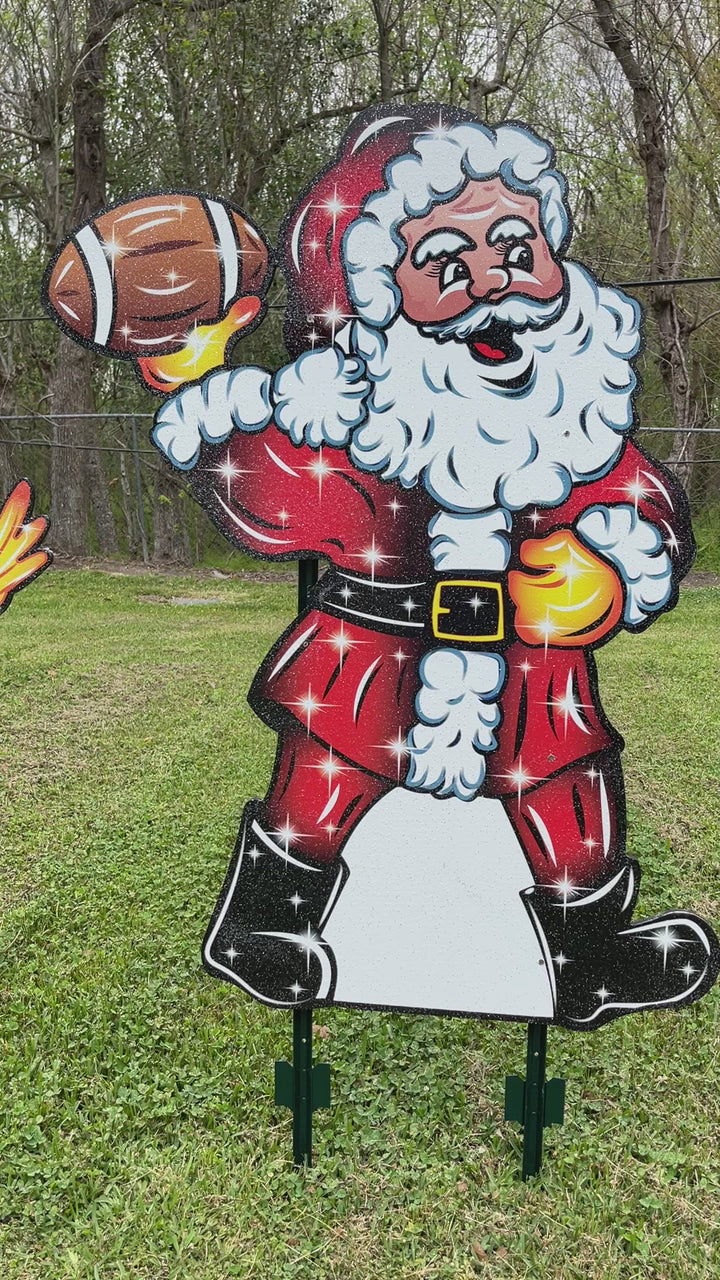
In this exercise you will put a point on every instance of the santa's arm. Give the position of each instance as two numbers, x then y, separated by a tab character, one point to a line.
270	496
640	524
612	555
318	398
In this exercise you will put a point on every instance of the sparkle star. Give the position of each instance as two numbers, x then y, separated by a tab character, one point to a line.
603	993
346	592
593	774
397	747
283	516
297	990
332	317
286	834
399	655
228	471
688	970
309	705
534	517
231	953
395	506
666	940
296	900
330	767
320	468
475	603
569	707
636	490
409	605
342	643
255	853
560	960
372	557
307	942
113	251
520	777
566	889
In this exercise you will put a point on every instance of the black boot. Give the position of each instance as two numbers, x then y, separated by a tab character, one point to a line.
265	931
604	966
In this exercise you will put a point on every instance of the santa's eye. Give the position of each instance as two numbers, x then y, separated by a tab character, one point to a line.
520	256
453	271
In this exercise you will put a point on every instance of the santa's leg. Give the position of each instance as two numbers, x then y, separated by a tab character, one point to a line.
285	875
573	830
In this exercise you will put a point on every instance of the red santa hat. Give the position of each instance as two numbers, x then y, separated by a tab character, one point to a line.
447	146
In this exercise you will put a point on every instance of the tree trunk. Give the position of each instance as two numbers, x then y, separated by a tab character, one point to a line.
673	324
102	510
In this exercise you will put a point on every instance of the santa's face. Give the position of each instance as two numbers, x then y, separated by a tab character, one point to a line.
479	268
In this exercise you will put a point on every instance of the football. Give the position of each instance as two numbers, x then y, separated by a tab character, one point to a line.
137	278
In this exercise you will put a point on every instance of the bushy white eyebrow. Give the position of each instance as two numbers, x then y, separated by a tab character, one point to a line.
438	243
510	229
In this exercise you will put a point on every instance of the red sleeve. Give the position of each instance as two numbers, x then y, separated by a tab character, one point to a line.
280	500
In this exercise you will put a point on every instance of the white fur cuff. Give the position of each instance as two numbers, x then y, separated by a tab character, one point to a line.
232	399
458	712
636	548
320	397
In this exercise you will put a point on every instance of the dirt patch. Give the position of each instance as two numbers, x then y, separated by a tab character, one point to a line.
702	580
136	569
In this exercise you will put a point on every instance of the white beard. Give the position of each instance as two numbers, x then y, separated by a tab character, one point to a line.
438	415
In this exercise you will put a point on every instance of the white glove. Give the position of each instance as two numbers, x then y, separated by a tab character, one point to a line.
229	400
320	397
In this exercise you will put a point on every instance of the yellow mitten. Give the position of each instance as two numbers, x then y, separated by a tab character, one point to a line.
574	599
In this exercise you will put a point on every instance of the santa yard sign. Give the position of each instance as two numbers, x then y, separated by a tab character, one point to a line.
444	830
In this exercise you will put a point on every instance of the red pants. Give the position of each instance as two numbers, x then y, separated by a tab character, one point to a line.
572	825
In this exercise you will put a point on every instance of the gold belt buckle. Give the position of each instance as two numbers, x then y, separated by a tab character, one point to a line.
438	609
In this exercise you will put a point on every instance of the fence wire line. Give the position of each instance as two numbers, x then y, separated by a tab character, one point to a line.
108	414
281	306
107	448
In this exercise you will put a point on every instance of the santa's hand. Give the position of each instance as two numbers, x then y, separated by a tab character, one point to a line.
230	400
320	397
573	598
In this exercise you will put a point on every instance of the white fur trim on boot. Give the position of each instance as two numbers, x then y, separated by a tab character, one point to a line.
320	397
232	399
458	712
635	547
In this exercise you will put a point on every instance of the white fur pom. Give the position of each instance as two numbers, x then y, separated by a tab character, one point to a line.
232	399
457	711
320	398
636	548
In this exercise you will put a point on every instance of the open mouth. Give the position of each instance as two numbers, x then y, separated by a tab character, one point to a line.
497	344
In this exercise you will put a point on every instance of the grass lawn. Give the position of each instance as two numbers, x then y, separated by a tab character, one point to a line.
137	1134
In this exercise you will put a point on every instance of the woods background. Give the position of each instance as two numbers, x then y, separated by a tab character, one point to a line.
247	99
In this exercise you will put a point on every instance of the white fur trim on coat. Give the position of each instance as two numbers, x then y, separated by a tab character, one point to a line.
457	712
636	548
232	399
471	540
320	397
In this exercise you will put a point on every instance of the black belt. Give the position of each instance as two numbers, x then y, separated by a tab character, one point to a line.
467	611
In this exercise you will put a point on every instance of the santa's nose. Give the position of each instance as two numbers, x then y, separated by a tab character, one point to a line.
487	280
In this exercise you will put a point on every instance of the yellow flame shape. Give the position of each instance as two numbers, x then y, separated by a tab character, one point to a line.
18	535
204	349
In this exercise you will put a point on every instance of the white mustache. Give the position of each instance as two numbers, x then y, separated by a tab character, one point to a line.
519	313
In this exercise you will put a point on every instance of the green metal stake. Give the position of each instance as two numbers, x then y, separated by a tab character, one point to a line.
301	1086
534	1102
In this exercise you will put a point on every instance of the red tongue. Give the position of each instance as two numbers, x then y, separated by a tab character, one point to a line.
489	353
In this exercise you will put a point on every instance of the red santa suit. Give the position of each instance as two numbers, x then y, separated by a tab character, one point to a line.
340	686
